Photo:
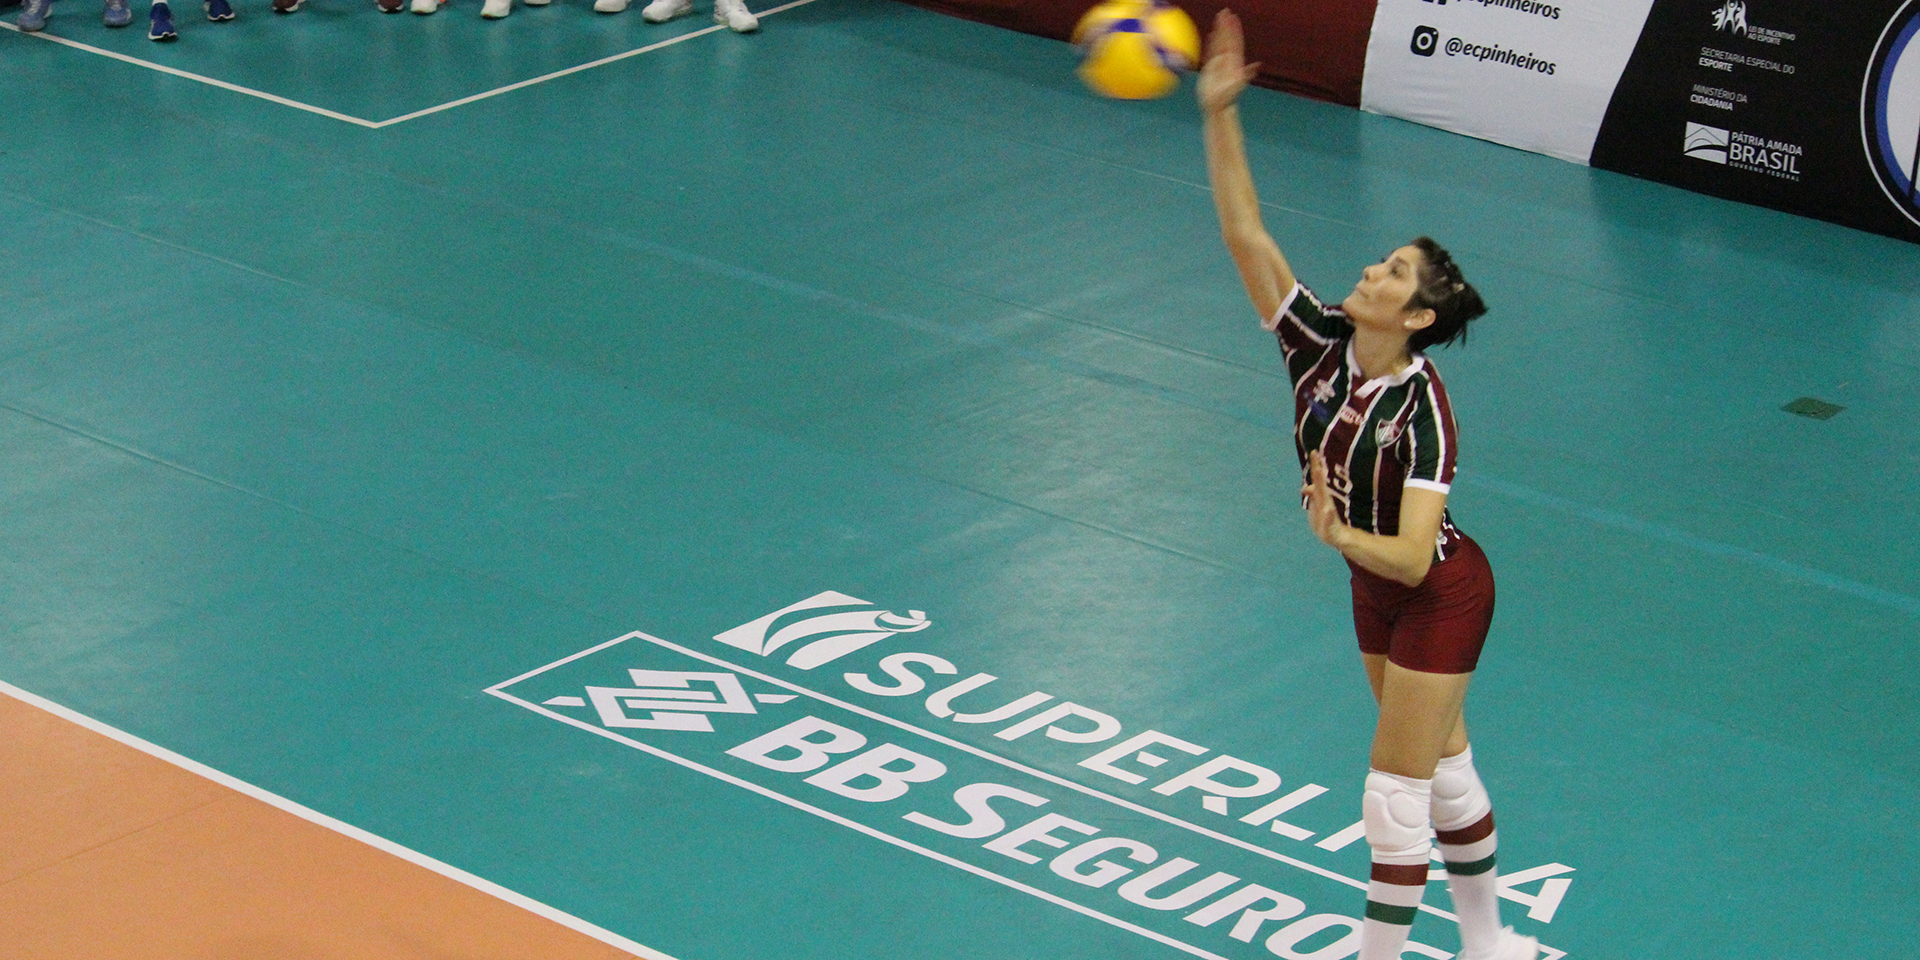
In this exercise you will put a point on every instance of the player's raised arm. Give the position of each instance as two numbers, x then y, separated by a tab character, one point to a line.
1223	76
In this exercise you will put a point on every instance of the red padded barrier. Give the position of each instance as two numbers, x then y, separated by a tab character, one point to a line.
1315	48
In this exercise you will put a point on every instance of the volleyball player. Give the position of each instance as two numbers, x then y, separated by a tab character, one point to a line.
1376	441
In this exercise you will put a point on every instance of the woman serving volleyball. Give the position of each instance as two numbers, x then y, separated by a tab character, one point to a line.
1376	440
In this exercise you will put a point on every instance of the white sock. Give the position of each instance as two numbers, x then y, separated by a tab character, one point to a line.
1463	825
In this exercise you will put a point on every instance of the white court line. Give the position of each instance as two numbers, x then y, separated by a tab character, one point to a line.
381	124
863	828
313	816
463	101
222	84
585	66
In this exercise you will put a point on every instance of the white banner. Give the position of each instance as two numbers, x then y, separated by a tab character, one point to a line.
1533	74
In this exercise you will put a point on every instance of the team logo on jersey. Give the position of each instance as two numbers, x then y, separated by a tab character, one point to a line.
1890	111
1386	432
829	629
1322	392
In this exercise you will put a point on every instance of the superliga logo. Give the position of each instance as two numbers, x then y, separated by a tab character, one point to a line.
1213	855
832	630
1890	111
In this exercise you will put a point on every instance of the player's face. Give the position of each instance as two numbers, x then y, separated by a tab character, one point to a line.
1383	291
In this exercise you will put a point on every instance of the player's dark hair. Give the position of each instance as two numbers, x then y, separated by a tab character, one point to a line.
1443	290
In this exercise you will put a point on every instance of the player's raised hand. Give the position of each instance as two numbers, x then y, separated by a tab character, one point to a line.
1226	71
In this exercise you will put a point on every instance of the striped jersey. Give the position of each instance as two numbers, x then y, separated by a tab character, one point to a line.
1379	436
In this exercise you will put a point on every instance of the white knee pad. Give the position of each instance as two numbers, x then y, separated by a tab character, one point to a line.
1395	811
1459	798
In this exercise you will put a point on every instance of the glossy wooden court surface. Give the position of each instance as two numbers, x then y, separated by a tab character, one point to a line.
328	448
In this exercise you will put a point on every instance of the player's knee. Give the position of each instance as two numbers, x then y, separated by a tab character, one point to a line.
1459	798
1395	810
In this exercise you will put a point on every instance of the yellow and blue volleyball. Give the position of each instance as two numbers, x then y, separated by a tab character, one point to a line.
1136	49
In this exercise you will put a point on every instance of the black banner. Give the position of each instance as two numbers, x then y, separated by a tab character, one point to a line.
1806	106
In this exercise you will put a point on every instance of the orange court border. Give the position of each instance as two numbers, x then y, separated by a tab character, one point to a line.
112	847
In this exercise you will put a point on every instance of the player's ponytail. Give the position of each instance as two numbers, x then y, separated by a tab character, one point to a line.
1443	290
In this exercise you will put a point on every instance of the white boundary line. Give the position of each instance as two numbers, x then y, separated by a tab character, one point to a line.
222	84
861	827
346	829
463	101
382	124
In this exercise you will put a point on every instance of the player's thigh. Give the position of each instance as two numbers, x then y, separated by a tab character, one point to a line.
1419	714
1376	667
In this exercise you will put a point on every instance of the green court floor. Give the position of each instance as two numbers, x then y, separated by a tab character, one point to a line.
328	442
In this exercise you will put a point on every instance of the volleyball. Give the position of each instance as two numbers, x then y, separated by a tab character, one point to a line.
1135	49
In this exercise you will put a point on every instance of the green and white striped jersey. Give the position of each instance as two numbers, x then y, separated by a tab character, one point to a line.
1379	436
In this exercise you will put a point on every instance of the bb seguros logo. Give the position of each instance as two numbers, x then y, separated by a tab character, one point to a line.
1134	827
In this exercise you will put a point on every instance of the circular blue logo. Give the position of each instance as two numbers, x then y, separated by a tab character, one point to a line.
1890	110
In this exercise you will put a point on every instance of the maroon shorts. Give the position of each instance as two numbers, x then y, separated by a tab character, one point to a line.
1436	627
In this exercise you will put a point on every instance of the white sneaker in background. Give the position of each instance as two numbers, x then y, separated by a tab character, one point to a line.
425	6
735	15
660	11
495	9
609	6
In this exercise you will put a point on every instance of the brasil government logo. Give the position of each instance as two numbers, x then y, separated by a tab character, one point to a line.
1890	110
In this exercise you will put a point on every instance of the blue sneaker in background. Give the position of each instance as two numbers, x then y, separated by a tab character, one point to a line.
218	10
117	13
33	15
160	23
